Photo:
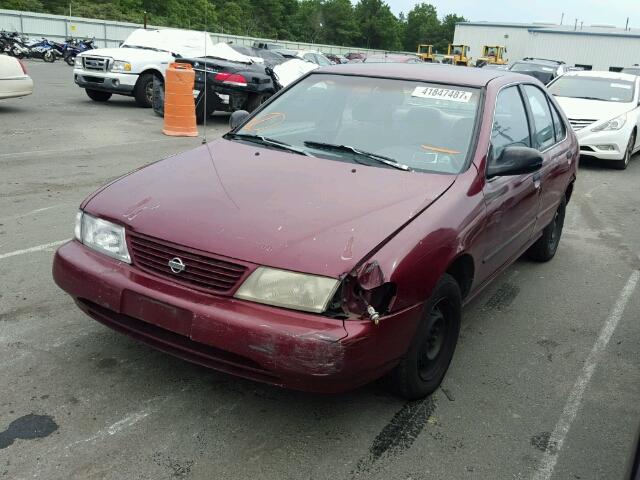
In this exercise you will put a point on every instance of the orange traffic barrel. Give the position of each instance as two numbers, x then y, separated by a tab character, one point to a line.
179	107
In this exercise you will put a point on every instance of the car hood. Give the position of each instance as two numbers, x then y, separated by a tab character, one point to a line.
267	206
580	108
129	54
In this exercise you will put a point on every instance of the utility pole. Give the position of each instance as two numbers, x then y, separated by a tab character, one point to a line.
575	26
145	19
562	18
626	27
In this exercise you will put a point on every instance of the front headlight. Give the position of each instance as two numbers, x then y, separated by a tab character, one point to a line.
283	288
78	62
615	124
102	236
120	66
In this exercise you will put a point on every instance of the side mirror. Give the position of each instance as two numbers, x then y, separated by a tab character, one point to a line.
515	161
237	118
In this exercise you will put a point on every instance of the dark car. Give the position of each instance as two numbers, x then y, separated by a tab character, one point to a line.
232	86
392	58
336	58
540	68
333	236
635	70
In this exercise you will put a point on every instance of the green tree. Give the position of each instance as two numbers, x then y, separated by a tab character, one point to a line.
308	21
340	27
422	27
447	30
23	5
378	26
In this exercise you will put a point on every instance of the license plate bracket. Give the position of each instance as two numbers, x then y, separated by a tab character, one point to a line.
161	314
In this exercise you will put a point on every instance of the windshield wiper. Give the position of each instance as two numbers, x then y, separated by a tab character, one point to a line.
346	148
591	98
267	141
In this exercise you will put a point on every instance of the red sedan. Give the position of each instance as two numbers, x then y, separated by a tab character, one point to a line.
333	236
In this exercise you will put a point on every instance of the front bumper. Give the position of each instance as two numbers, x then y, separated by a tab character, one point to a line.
273	345
122	83
591	143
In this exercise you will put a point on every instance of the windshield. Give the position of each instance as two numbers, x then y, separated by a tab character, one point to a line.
593	88
424	49
425	127
631	71
531	67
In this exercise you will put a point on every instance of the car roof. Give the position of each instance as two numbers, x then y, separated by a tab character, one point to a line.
428	72
541	61
603	74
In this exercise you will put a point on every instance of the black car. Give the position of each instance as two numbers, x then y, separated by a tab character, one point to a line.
543	69
230	85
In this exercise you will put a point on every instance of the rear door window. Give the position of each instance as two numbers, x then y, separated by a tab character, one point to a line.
543	135
510	124
558	124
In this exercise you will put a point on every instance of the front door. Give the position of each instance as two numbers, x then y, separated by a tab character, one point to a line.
512	202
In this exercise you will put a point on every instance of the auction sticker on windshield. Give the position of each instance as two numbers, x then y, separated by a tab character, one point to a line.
442	94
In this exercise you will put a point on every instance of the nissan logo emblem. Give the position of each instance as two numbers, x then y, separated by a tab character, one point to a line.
176	265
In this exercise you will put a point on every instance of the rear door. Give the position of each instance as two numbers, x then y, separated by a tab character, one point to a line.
512	202
551	139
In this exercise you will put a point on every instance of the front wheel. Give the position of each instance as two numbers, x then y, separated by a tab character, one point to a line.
144	91
71	60
624	163
424	365
97	95
546	246
49	56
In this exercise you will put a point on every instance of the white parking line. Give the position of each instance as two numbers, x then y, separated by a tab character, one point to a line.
32	212
556	441
37	248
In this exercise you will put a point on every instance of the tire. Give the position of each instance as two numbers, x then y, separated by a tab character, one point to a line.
71	60
49	56
201	112
254	101
158	96
97	95
546	246
423	367
144	91
624	163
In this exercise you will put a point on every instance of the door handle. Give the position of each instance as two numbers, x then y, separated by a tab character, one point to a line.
536	180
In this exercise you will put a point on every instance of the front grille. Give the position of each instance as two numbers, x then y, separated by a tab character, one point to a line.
202	271
98	64
579	124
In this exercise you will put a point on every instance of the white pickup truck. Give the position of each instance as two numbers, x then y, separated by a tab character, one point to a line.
130	69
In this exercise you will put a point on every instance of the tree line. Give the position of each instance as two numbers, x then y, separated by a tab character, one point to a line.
367	24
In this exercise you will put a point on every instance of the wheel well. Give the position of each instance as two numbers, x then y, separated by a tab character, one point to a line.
462	270
569	191
155	73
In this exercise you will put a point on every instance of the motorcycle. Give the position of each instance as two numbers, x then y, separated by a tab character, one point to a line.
43	49
77	47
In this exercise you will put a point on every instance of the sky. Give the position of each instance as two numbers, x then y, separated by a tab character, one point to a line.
610	12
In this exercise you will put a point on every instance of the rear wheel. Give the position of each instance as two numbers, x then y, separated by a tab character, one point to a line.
71	60
201	110
424	365
547	245
624	163
255	100
144	91
97	95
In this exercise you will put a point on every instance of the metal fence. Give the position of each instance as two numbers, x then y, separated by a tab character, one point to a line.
110	34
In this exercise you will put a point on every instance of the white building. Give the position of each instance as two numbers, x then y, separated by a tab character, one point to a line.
597	47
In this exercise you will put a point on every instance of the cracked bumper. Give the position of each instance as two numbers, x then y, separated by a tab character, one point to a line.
273	345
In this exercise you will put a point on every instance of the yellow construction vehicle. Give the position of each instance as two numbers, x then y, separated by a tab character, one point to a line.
458	55
492	55
425	52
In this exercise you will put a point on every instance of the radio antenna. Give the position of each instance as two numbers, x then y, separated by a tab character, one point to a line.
204	107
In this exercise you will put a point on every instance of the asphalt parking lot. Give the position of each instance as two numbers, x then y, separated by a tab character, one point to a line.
545	382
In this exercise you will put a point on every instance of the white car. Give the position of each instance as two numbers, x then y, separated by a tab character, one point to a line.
14	81
144	55
603	109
